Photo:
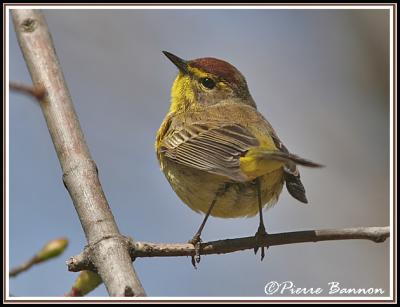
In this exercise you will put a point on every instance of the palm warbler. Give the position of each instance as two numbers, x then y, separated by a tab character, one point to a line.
220	155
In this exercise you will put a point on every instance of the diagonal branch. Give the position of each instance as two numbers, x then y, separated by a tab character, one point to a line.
109	255
145	249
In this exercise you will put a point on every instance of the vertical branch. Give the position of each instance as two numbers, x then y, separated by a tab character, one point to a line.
108	250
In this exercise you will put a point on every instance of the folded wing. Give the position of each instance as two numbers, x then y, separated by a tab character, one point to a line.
215	148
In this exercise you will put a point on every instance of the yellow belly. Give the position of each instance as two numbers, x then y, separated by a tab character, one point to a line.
197	189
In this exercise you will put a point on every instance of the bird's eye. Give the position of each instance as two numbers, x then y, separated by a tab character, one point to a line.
208	83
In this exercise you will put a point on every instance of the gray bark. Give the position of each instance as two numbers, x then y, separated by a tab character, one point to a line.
108	251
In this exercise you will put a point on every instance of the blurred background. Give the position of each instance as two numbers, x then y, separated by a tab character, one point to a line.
321	77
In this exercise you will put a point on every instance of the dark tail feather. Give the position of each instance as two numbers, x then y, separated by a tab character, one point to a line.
291	174
294	186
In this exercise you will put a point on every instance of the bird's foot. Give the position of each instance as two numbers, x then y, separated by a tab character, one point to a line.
260	237
196	242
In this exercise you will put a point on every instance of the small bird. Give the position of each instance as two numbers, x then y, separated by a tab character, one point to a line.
219	154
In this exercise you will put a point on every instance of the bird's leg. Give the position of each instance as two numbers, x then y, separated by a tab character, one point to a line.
196	240
261	233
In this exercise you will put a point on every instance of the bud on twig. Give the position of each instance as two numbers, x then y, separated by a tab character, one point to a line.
50	250
86	282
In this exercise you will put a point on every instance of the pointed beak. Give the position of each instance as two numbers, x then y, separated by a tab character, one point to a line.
180	63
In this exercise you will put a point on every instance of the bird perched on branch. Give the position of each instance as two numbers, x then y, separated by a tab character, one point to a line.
220	155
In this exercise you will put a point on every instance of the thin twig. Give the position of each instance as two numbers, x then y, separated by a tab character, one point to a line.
108	253
22	267
50	250
146	249
37	92
143	249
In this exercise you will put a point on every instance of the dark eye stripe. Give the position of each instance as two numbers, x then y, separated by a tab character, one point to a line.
208	83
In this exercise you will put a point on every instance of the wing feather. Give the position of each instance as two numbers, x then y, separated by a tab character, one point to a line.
213	148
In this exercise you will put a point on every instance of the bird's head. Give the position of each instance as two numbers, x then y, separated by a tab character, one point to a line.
206	81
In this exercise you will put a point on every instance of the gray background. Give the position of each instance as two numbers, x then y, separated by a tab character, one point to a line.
320	76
